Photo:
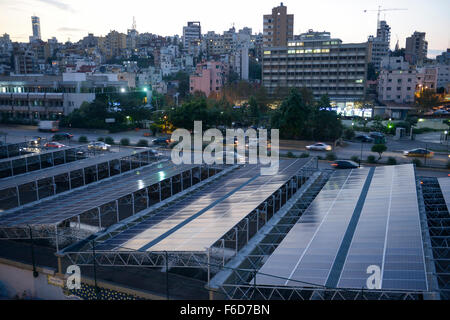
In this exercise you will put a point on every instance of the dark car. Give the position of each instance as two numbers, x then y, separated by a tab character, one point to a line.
161	142
344	164
364	138
62	136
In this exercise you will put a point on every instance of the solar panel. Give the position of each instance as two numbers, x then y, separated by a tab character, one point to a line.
76	202
205	217
388	234
64	168
336	240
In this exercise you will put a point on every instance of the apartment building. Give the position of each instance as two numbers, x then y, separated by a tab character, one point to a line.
398	81
42	96
208	78
323	64
416	48
278	27
192	33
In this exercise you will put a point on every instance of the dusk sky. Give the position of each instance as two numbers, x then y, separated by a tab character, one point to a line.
345	19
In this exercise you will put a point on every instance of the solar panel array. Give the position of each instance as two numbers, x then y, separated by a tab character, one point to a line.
76	202
387	234
64	168
203	218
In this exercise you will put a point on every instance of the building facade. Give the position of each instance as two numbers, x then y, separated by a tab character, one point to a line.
416	48
36	27
192	33
41	96
208	78
318	62
380	44
278	27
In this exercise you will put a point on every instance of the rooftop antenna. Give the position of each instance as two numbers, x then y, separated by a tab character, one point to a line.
134	23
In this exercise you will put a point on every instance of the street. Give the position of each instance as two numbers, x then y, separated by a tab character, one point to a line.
19	133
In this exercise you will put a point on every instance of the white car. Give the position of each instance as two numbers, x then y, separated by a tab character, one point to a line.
100	146
319	147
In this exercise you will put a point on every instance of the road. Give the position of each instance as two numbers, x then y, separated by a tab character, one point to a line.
18	133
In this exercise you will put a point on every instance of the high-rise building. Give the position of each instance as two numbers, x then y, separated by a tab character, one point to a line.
115	42
278	27
36	25
416	48
380	44
323	64
192	33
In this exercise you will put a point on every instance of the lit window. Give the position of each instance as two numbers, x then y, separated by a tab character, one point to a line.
291	51
300	51
308	51
325	50
316	51
267	52
300	44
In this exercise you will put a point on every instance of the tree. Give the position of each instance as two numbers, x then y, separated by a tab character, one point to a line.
380	149
426	100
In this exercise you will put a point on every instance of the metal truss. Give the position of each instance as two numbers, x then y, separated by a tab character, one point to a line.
436	218
251	292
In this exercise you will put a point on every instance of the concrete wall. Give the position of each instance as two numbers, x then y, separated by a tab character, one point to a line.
17	278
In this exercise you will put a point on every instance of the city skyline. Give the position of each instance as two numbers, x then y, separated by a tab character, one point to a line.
61	19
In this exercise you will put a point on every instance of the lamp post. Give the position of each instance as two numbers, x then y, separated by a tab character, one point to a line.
360	159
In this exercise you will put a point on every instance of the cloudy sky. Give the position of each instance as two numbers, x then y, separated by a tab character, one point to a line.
345	19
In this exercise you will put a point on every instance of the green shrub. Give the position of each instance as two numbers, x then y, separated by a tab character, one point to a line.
101	139
142	143
330	156
319	157
371	159
83	139
290	155
109	140
304	155
417	162
392	161
125	142
355	159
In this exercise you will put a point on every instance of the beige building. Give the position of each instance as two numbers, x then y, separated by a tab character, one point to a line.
278	27
323	64
115	42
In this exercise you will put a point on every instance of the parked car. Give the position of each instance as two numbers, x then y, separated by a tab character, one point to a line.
375	135
441	112
364	138
161	142
99	146
319	147
35	141
344	164
62	136
419	153
54	145
154	153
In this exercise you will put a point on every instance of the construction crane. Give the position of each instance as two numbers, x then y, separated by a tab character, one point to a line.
384	10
